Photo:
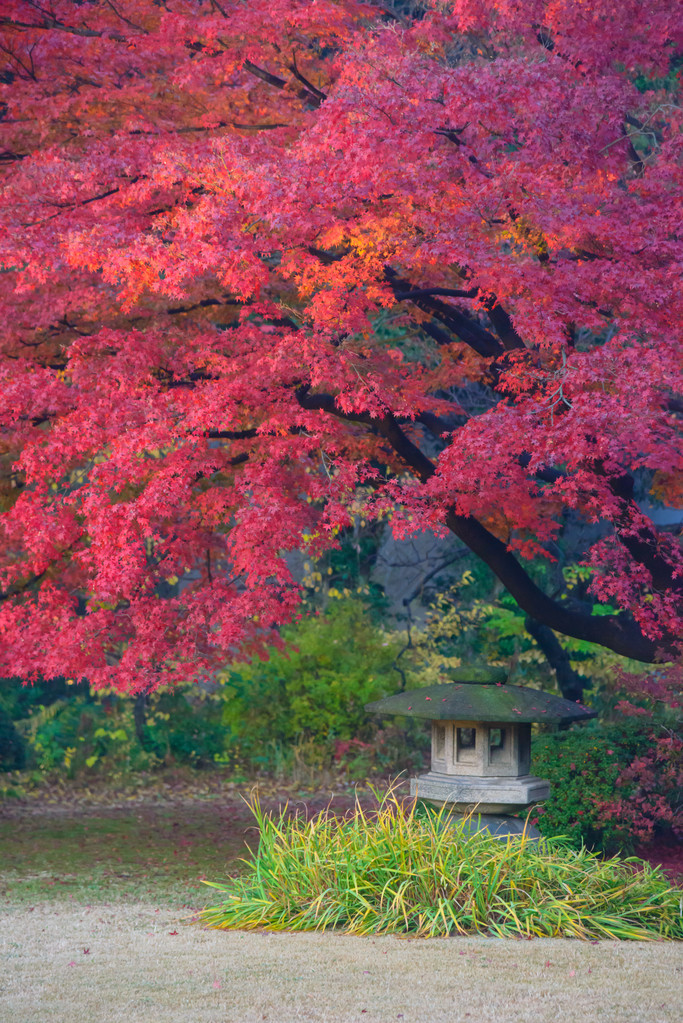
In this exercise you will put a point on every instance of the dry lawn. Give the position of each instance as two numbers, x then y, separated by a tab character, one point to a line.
134	963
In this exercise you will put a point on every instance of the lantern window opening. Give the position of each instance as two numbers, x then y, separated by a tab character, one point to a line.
465	745
500	746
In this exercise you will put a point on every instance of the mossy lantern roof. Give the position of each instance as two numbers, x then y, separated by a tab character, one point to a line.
481	694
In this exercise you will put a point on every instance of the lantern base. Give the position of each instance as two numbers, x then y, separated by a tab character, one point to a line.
482	795
500	826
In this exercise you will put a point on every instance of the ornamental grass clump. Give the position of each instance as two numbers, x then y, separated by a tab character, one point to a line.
399	870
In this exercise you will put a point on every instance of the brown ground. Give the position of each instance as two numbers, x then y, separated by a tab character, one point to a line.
135	963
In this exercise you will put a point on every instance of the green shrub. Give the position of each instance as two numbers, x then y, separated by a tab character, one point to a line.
583	767
12	746
311	697
74	735
301	712
393	871
97	734
52	733
189	723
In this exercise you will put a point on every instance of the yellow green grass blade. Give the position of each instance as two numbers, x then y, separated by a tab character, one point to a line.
395	871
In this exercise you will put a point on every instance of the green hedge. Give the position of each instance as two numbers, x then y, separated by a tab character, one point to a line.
583	766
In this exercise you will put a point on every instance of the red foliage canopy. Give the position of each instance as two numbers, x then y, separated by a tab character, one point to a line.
252	252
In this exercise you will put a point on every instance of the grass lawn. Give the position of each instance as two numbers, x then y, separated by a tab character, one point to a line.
96	926
148	852
153	845
136	963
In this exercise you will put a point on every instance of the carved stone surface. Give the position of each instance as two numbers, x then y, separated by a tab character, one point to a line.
488	795
499	826
496	750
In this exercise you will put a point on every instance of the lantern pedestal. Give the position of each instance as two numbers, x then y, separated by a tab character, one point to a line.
499	826
492	795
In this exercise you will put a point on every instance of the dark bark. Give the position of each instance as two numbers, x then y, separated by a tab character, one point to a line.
616	632
140	718
502	325
463	327
313	98
571	683
641	542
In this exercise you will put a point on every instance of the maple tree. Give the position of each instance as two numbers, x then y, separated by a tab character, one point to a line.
253	256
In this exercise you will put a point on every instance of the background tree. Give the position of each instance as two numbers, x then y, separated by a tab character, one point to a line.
268	266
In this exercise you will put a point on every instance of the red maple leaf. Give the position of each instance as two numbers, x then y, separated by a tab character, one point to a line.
242	283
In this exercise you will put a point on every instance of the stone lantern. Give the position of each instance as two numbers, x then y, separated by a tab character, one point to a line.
481	743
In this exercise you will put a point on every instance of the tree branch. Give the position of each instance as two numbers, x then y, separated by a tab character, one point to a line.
265	76
49	23
641	543
502	325
571	683
617	632
424	292
279	83
305	82
232	434
464	327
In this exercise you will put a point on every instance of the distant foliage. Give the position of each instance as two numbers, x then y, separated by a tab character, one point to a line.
12	748
472	619
310	698
95	734
298	713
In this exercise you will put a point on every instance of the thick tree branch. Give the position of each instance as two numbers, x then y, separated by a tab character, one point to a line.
312	97
640	542
205	303
305	82
571	683
464	327
232	434
617	632
502	325
424	292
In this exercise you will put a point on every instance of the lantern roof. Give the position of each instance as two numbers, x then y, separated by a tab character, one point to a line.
482	674
477	701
